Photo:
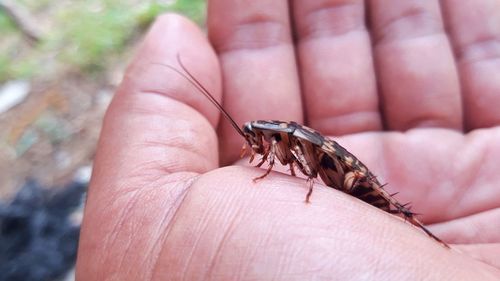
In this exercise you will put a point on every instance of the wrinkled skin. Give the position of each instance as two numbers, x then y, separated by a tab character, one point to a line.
417	104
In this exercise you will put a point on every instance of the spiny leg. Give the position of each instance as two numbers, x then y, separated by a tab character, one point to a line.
400	209
264	158
243	151
410	216
292	170
350	181
268	156
308	195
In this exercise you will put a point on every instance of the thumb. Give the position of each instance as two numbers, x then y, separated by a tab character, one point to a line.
154	142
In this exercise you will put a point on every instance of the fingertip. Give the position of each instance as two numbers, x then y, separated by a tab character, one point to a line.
170	36
157	116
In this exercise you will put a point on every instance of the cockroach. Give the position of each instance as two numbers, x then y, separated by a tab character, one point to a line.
314	155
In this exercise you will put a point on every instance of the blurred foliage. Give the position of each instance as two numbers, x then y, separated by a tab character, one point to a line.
6	25
16	68
92	32
194	9
82	35
9	67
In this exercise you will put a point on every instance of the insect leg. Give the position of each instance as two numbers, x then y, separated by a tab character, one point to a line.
410	216
292	170
243	151
268	156
264	158
350	182
308	195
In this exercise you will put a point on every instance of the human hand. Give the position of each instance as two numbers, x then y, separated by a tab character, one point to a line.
158	207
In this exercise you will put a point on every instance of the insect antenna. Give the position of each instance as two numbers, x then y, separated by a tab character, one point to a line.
189	77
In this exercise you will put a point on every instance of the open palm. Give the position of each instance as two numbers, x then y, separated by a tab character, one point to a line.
417	104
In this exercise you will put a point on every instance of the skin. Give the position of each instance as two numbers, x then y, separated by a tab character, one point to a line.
408	87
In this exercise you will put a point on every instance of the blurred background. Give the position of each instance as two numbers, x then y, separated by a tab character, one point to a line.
60	62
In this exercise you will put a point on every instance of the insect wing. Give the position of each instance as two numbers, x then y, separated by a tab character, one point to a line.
272	125
308	134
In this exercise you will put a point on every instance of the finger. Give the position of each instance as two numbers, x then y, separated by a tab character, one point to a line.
479	228
153	142
253	41
415	65
475	34
336	66
487	253
292	240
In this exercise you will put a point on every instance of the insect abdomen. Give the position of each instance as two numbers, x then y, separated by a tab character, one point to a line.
371	196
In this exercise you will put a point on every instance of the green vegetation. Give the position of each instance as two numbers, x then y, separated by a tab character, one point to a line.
92	33
83	35
194	9
6	24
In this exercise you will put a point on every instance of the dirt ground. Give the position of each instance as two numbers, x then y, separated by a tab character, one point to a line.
53	132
